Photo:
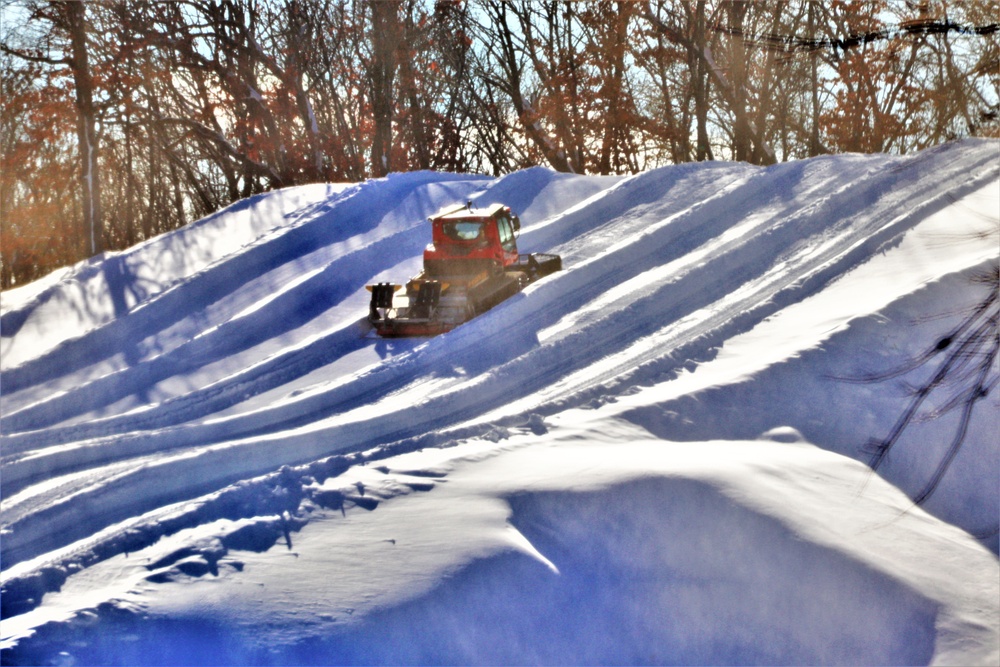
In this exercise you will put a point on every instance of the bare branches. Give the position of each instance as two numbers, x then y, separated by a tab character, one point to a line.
196	103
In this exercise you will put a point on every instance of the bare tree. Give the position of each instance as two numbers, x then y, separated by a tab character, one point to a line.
508	51
68	34
167	111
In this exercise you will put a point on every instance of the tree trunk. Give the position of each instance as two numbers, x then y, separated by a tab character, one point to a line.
742	140
699	77
90	180
615	130
382	75
815	147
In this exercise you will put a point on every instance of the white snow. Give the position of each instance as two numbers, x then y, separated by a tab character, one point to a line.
658	455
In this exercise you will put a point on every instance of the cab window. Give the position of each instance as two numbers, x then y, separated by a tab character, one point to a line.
506	233
463	230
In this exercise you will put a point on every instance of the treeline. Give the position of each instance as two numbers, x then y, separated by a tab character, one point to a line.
124	119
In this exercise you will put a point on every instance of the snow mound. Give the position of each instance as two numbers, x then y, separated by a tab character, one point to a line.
567	551
179	419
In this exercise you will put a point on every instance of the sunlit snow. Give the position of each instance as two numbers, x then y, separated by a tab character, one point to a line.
659	455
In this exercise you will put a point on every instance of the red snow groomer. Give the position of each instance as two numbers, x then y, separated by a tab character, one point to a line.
471	265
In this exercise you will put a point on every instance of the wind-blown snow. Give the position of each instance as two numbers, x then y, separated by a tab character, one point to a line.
657	455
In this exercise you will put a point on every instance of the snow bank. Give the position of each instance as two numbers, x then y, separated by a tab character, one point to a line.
592	543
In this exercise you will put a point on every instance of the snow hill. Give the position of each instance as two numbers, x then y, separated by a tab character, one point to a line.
660	454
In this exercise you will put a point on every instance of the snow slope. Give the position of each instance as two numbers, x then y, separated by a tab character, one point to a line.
657	455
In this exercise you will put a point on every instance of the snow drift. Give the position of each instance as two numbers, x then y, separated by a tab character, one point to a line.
657	455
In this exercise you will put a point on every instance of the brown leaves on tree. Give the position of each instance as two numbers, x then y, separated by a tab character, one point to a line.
192	104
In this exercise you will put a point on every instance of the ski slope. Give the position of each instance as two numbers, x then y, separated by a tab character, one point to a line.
707	358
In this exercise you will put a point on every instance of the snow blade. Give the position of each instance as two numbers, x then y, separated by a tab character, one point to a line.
537	265
428	297
382	294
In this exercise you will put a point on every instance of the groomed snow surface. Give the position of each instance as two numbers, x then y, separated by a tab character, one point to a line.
661	454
